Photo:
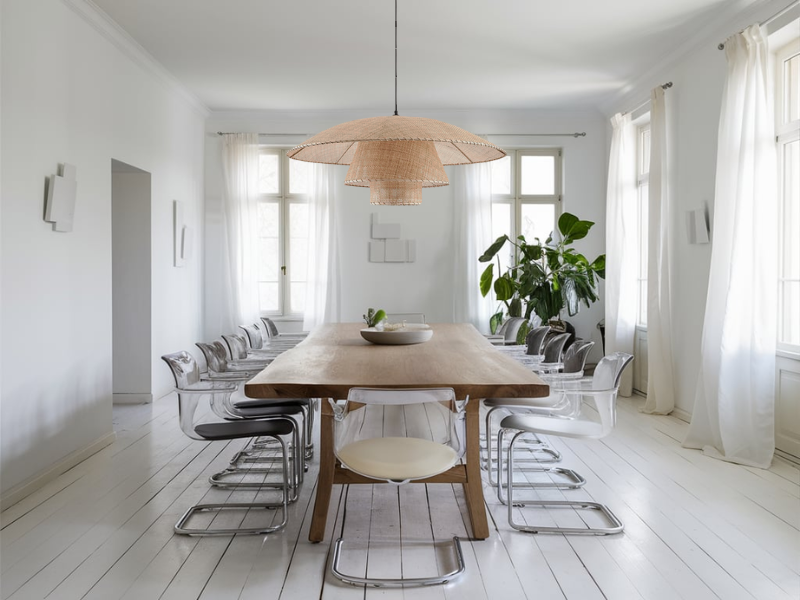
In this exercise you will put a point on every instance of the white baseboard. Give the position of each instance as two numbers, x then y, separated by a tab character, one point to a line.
795	460
132	398
682	415
30	485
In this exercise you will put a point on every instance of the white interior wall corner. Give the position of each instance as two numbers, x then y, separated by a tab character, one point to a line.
69	94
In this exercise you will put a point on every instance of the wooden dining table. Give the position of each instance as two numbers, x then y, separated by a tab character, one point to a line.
335	358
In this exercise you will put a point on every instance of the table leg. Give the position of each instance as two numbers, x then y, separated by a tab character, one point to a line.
473	488
327	463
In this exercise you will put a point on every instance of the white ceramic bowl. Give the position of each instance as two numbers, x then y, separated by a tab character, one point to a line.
412	334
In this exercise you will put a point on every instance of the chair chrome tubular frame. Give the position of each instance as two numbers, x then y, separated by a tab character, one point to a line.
573	480
298	466
553	456
383	466
616	524
180	526
411	582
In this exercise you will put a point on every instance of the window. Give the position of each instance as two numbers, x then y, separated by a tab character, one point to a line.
787	71
526	195
643	200
283	233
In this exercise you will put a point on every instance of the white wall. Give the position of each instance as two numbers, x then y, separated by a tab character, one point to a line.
70	94
698	78
422	286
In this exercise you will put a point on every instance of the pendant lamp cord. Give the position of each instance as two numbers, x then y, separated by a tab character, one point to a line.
395	58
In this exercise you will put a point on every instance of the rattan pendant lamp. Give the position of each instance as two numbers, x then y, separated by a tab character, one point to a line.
396	156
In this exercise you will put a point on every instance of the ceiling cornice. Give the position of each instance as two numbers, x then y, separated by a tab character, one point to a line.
108	28
725	23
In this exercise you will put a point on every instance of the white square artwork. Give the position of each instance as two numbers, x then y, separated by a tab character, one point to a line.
384	231
396	250
61	193
377	252
389	247
177	232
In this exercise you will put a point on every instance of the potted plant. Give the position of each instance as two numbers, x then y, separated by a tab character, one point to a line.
547	277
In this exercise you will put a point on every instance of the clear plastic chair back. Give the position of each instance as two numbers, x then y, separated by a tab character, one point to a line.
535	339
254	336
575	357
554	348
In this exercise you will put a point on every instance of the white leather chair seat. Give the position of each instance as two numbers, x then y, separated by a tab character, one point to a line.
397	458
573	428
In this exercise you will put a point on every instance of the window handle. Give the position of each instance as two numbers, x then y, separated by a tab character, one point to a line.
283	269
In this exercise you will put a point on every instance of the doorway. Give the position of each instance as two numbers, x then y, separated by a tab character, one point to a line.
131	284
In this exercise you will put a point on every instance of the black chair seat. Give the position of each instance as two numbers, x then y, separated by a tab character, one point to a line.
242	429
253	402
260	408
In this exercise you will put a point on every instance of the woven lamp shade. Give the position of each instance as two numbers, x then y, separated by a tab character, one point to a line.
396	156
396	172
338	145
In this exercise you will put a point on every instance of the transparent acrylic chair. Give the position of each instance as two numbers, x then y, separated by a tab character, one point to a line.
596	416
200	404
397	436
272	331
238	348
256	341
246	408
573	364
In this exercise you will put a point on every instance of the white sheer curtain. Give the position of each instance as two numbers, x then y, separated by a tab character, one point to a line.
621	243
472	234
733	417
239	285
660	372
322	289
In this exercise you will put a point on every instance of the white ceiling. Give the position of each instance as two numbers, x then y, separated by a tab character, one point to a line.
320	54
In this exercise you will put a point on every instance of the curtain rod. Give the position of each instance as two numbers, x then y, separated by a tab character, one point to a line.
287	134
777	15
664	86
575	135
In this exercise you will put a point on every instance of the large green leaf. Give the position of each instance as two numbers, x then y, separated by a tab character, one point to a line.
522	333
503	288
572	228
486	279
599	266
493	249
495	321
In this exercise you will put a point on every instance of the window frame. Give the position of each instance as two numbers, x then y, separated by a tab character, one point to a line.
786	132
284	198
516	199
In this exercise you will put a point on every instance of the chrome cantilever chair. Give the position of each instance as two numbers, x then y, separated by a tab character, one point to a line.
200	425
272	331
187	376
399	435
255	340
249	362
574	362
596	418
237	350
220	367
507	333
551	355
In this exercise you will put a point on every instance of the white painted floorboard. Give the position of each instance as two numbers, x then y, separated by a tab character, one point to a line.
695	528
